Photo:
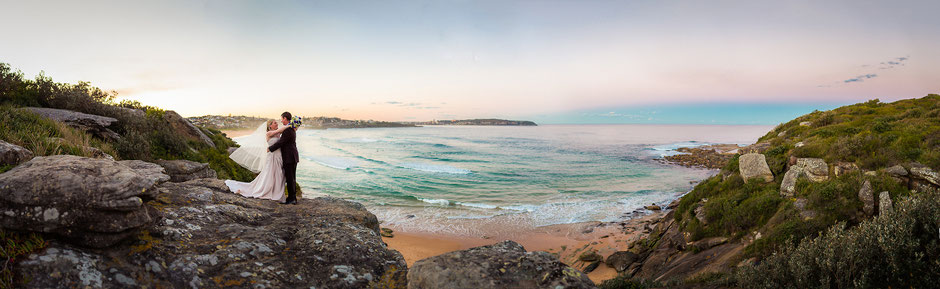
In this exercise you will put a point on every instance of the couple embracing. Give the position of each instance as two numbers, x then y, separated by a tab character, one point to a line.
275	161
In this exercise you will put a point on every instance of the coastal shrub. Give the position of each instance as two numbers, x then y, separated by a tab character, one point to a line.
898	249
833	201
777	160
624	282
733	207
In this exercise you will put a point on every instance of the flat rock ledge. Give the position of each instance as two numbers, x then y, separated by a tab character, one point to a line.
89	202
203	236
94	124
501	265
184	170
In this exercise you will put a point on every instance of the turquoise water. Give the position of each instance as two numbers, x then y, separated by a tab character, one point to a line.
468	179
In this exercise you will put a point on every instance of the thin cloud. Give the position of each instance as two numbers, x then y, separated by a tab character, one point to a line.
884	65
860	78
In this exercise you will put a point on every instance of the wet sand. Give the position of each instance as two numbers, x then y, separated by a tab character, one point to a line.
567	241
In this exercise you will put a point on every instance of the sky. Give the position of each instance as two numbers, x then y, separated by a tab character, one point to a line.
729	62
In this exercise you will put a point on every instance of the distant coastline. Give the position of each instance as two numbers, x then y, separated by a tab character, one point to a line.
486	122
235	123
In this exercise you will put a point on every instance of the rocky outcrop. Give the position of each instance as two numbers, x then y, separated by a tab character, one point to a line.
709	156
814	169
801	206
754	165
924	179
867	198
186	128
757	148
151	171
621	260
899	173
184	170
843	168
501	265
203	236
670	259
94	124
89	202
884	203
11	154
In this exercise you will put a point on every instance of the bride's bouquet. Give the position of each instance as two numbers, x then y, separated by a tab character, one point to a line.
295	122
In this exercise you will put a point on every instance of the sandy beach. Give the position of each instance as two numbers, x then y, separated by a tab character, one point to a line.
567	241
237	132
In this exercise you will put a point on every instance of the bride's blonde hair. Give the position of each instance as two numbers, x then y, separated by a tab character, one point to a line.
269	124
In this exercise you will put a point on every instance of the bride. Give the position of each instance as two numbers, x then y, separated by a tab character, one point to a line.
270	182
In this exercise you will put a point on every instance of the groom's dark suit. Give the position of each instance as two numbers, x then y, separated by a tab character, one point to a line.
288	146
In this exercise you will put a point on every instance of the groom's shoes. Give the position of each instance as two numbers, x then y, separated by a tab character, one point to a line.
289	202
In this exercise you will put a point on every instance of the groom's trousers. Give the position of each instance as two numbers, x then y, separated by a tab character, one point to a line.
290	173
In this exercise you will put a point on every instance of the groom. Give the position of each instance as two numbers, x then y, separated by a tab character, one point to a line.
288	146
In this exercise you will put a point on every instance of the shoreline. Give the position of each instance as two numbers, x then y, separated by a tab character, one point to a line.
233	133
566	241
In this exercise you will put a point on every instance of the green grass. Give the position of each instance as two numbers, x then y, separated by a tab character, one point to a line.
13	246
46	137
872	134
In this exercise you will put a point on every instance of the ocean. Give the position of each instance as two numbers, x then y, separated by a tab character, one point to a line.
470	180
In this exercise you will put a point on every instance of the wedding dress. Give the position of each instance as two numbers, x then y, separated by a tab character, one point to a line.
270	182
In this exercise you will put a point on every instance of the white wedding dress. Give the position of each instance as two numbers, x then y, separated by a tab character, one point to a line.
270	182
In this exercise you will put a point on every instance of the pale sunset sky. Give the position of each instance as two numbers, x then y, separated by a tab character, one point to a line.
734	62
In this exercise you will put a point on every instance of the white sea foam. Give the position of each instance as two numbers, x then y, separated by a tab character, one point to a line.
441	202
670	149
434	168
359	140
477	205
335	162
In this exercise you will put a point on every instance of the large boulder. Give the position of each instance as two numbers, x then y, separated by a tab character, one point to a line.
184	170
757	148
754	165
868	198
148	170
94	124
11	154
788	184
207	237
501	265
814	169
621	260
899	173
884	202
183	126
924	179
90	202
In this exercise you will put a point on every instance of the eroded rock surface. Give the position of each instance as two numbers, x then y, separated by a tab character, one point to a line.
11	154
502	265
94	124
90	202
186	128
184	170
754	165
203	236
814	169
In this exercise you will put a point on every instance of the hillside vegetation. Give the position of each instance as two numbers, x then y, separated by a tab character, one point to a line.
793	236
145	134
